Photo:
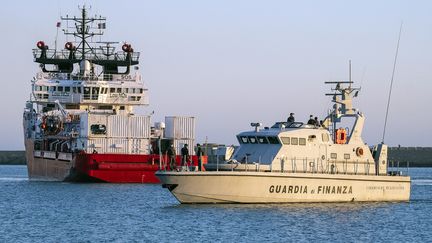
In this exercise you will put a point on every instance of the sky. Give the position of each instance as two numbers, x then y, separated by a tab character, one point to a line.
230	63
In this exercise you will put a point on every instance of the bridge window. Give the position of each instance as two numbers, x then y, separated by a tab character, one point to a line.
285	140
262	140
67	89
294	141
242	139
273	140
302	141
60	88
252	139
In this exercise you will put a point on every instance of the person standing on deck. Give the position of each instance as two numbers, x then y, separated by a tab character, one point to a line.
199	154
185	155
172	157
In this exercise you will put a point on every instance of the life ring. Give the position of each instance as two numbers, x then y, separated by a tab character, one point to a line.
359	151
69	46
341	137
40	44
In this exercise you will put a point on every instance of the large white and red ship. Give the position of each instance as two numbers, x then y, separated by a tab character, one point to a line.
79	124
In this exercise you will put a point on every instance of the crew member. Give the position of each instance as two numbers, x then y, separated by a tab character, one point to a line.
199	154
172	157
291	118
185	155
317	123
311	120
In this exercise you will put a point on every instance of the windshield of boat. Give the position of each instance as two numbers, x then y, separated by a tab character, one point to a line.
287	124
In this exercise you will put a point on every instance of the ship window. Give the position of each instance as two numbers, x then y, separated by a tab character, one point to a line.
45	96
67	89
302	141
60	88
119	90
112	90
138	98
325	137
98	129
294	141
252	139
126	90
86	92
273	140
79	90
333	155
133	90
74	90
141	91
243	139
346	156
285	140
262	140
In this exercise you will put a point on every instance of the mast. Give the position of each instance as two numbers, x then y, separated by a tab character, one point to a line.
85	51
84	30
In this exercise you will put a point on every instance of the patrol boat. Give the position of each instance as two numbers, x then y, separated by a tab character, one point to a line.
80	124
297	162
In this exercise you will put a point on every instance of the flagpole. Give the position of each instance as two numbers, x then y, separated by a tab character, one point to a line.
55	42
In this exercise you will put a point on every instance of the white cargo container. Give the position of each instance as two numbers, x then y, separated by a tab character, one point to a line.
178	127
117	146
118	126
87	120
139	126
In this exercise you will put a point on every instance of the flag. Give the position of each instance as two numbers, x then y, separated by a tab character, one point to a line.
58	24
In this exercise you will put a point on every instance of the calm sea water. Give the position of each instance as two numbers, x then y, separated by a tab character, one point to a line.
63	212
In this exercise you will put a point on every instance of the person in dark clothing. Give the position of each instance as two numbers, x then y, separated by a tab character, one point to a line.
172	157
199	153
311	120
317	123
185	155
291	118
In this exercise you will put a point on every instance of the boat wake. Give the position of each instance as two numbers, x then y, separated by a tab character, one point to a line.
422	182
13	179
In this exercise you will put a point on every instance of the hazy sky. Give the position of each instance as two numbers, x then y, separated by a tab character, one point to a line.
229	63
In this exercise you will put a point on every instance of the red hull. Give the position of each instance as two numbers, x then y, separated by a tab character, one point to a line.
124	168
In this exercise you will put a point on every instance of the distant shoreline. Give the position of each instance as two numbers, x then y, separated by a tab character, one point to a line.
415	156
